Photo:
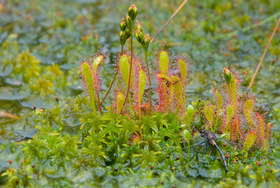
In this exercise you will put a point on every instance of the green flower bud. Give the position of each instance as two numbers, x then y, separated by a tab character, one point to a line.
147	40
187	135
139	36
190	111
132	12
123	25
129	22
138	26
227	75
122	38
127	34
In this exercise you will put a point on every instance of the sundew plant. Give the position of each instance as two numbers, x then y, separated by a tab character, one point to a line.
142	127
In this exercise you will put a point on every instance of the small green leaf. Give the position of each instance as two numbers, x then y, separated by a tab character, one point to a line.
229	113
124	67
178	89
154	127
163	62
183	69
219	101
120	101
247	112
209	114
96	62
265	145
223	135
142	84
89	81
261	127
250	140
232	93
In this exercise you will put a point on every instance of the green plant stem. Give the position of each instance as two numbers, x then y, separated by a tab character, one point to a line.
189	151
130	70
139	109
99	105
150	87
110	87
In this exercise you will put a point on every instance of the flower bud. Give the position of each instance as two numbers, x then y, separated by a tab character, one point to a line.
227	75
123	25
139	36
129	22
127	34
190	111
187	135
147	40
122	38
138	26
132	12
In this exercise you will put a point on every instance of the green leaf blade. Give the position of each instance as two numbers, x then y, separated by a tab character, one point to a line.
89	82
163	62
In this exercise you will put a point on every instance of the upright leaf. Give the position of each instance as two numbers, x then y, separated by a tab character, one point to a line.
261	127
163	63
89	82
265	145
184	70
142	83
120	101
229	113
178	89
96	62
247	112
124	67
209	114
250	140
165	98
232	94
190	112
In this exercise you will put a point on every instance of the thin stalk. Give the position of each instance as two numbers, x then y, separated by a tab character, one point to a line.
117	71
139	109
150	87
189	151
130	70
173	15
99	105
260	63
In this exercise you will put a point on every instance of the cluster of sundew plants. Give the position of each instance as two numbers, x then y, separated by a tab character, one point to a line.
130	94
168	79
231	112
234	113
